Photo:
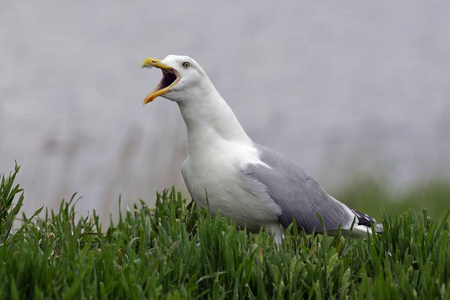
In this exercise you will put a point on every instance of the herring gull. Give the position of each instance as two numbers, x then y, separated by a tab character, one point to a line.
255	186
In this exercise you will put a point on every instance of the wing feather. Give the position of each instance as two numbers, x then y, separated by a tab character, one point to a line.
297	194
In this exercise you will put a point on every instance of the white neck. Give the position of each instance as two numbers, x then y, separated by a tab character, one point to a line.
210	120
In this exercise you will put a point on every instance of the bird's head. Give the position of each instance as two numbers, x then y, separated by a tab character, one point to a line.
182	77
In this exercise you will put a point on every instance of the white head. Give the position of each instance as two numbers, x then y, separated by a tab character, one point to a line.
201	106
182	79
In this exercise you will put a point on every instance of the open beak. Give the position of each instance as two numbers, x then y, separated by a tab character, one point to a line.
170	78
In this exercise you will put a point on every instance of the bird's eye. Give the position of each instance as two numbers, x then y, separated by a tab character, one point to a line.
186	65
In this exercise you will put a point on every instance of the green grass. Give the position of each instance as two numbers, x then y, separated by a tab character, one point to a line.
180	251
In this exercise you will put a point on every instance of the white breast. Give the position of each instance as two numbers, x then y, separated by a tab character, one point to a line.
214	176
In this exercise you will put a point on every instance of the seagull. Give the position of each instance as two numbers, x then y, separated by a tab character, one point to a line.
235	177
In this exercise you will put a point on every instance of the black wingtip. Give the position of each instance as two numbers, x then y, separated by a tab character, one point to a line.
364	219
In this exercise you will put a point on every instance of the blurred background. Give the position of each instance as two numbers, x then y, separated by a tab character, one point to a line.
349	90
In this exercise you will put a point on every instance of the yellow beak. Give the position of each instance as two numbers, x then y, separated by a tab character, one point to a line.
153	62
170	78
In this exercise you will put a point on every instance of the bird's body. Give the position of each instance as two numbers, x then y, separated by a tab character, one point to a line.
251	184
226	191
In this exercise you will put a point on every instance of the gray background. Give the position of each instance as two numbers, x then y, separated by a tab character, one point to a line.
346	89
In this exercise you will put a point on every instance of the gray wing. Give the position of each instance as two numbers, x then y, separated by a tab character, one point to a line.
296	193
